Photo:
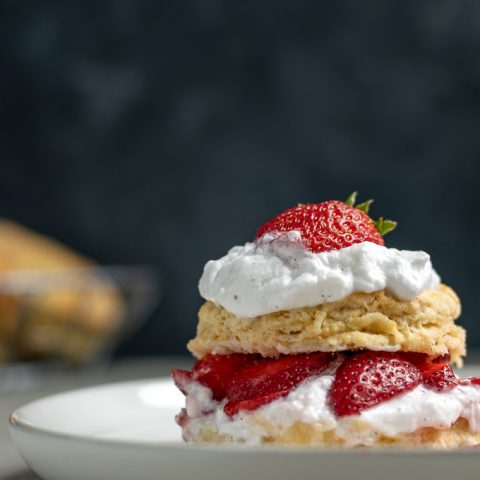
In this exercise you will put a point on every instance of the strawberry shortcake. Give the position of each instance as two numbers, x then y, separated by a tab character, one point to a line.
317	334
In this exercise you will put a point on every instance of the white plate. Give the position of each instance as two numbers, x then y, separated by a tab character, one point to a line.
127	431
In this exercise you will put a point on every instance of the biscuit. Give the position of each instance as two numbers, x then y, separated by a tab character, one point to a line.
73	319
313	435
373	321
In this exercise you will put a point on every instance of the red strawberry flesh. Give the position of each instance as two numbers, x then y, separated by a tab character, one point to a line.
182	418
182	378
363	380
426	362
436	371
215	371
271	379
440	379
368	378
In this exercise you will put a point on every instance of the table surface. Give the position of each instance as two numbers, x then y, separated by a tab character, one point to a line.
18	387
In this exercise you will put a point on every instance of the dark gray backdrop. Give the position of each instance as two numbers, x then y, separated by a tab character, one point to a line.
165	132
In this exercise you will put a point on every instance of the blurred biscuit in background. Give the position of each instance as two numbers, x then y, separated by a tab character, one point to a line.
54	302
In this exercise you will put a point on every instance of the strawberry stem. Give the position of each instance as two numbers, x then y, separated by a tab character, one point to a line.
351	199
383	226
365	206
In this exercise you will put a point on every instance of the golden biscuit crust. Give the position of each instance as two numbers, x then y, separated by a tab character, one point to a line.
373	321
313	435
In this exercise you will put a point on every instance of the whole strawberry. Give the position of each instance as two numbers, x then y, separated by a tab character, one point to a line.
330	225
368	378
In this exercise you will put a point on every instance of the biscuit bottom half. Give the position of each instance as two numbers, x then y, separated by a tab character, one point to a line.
373	321
310	435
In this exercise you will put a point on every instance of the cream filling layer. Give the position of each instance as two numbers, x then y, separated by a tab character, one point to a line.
278	273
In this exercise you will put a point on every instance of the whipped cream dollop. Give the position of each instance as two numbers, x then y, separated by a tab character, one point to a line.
277	272
308	403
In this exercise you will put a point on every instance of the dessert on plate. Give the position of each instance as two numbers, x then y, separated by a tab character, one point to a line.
317	334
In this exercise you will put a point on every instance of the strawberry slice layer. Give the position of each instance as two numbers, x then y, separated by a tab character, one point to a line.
368	378
182	379
270	379
214	372
440	379
363	380
436	371
469	381
249	381
182	418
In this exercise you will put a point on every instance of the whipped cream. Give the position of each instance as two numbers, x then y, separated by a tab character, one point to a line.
308	403
277	272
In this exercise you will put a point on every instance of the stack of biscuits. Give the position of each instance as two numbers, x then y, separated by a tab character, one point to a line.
362	321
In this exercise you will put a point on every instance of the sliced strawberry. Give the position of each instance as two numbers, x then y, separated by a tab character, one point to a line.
440	379
442	359
182	418
436	371
232	408
420	360
272	378
181	378
368	378
215	371
426	362
469	381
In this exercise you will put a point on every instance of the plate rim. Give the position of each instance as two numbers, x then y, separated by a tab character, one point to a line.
16	422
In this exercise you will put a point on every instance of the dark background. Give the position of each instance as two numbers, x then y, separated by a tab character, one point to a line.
163	133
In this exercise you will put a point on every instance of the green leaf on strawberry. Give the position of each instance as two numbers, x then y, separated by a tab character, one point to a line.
352	198
383	226
365	206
